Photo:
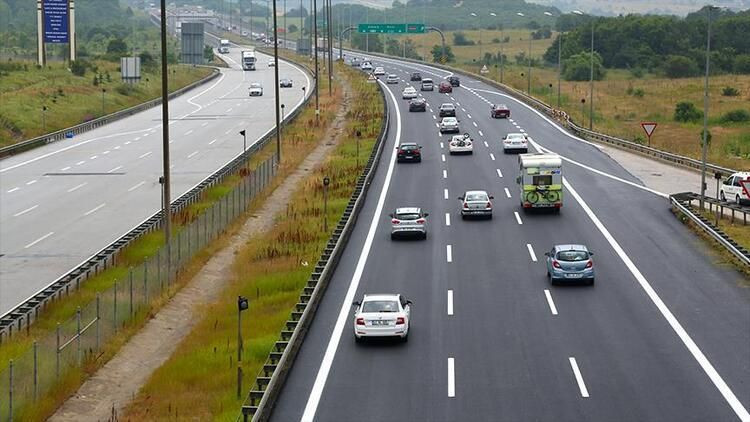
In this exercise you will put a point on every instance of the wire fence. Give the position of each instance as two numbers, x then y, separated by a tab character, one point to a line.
80	339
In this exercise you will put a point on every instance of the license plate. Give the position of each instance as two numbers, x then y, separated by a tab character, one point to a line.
574	275
379	322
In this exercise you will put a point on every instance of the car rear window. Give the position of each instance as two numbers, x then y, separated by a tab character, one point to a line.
380	306
408	217
572	256
447	106
476	197
409	147
545	180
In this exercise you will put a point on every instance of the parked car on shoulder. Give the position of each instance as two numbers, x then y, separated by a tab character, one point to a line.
736	188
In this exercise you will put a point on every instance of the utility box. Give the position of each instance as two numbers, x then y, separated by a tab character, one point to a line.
192	43
130	69
303	46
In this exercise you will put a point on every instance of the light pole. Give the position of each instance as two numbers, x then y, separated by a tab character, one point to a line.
314	45
276	80
528	74
502	58
242	305
559	61
591	74
44	119
167	201
704	146
479	19
326	182
104	91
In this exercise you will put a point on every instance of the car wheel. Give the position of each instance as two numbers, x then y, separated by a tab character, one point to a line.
526	151
505	151
489	217
424	236
591	282
737	199
357	339
405	338
723	198
393	236
463	217
549	276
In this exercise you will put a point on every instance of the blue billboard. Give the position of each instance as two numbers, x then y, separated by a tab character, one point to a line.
56	28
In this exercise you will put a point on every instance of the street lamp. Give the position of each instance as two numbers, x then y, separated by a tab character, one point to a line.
104	91
493	14
591	74
242	305
528	75
704	146
44	119
479	18
559	61
276	79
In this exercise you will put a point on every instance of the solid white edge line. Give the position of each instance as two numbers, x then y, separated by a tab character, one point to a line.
579	377
531	252
449	253
550	302
447	219
38	240
693	348
451	377
518	217
325	366
450	302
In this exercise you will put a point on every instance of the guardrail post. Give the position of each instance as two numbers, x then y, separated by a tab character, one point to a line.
78	334
36	369
130	282
98	301
57	354
114	313
10	391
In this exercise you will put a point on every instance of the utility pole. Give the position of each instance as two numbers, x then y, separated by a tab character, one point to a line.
704	146
276	81
315	48
591	80
166	209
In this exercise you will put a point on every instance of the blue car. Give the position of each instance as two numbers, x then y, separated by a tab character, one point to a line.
570	263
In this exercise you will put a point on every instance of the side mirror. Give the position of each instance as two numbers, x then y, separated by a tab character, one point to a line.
461	198
591	253
505	136
356	303
427	214
518	179
390	215
396	150
408	302
546	254
492	197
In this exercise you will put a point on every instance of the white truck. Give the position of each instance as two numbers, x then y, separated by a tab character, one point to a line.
224	46
248	60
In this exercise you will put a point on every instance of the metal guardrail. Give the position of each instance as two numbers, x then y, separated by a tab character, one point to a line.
28	311
569	124
101	121
724	208
682	202
270	380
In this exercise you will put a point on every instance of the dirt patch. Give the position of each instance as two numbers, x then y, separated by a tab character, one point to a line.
110	389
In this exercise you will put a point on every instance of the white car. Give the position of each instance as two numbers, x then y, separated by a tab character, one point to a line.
391	79
518	142
379	71
449	124
271	63
461	144
382	315
409	93
366	66
256	89
732	188
476	203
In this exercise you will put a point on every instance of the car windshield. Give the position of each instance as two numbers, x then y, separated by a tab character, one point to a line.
572	256
380	306
409	216
476	197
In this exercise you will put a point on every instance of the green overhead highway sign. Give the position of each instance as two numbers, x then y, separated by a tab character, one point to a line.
391	28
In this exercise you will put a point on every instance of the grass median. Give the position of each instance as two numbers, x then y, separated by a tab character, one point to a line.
200	378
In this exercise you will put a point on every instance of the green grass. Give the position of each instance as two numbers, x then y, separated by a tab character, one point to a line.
200	378
71	99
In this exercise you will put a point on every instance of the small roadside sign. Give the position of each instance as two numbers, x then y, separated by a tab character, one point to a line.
484	70
649	128
371	79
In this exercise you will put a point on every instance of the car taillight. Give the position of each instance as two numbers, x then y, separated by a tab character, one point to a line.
400	321
415	152
360	321
466	206
507	141
590	264
395	221
556	264
489	205
420	221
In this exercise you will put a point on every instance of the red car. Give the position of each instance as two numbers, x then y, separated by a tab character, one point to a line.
445	87
499	111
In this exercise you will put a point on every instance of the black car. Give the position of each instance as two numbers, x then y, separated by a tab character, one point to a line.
416	76
285	83
409	151
447	110
418	104
454	81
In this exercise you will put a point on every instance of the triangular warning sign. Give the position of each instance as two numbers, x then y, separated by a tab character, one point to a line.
484	69
649	127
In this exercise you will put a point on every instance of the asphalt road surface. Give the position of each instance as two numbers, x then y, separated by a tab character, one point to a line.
63	202
662	336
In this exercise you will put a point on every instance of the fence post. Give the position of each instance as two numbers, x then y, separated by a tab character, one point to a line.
57	354
145	283
158	270
114	320
131	292
10	392
179	248
78	333
97	320
189	243
36	371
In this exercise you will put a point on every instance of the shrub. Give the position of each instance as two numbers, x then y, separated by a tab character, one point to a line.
78	67
742	63
496	41
637	72
708	138
679	67
126	89
638	92
736	116
686	112
459	38
578	67
729	91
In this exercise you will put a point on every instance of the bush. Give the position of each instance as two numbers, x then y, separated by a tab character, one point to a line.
578	67
686	112
78	67
736	116
496	41
638	92
117	47
680	67
742	63
126	89
637	72
459	38
729	91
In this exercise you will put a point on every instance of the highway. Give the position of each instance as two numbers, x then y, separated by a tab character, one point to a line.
63	202
662	336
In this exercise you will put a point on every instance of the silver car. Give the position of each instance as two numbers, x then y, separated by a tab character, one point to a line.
449	124
570	263
409	221
256	89
476	203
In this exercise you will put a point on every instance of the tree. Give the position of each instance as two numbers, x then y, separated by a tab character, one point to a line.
78	67
147	59
117	47
578	67
742	63
459	38
359	41
680	67
208	53
437	53
687	112
293	28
